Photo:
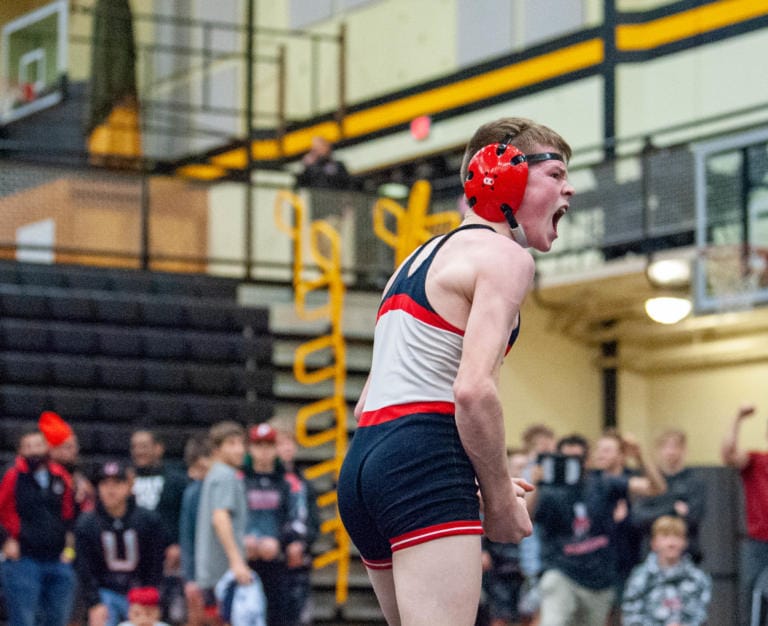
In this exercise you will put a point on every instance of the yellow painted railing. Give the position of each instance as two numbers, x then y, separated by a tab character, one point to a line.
325	251
413	226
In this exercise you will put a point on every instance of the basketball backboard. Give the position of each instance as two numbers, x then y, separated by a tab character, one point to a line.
34	55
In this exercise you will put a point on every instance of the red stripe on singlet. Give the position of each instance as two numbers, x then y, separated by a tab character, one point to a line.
449	529
404	302
395	411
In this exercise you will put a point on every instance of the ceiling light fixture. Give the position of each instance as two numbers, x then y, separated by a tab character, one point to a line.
669	273
668	309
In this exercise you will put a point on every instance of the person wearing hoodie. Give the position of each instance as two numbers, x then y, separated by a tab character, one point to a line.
37	512
120	545
667	589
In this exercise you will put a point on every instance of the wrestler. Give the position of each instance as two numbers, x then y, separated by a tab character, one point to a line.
430	423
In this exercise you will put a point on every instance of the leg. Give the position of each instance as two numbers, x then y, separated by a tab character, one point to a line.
384	587
117	605
558	602
595	606
21	584
57	594
438	582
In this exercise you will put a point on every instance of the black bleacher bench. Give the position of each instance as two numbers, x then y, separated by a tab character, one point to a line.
63	304
113	279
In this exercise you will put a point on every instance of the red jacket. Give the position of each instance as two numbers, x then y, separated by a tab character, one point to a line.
38	518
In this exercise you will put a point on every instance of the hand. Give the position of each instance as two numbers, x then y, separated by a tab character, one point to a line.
243	574
251	545
269	548
11	549
294	554
486	561
745	410
631	446
172	558
620	511
681	508
98	615
521	487
506	515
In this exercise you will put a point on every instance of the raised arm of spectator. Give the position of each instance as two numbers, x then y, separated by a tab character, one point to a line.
651	483
731	454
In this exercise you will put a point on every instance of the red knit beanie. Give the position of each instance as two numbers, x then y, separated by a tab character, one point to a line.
55	430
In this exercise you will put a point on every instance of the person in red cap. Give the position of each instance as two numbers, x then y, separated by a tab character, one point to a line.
269	538
65	450
143	607
37	512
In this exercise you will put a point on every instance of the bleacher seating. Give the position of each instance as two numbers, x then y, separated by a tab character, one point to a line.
110	349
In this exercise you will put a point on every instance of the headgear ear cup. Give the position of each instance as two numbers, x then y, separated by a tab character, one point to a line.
496	179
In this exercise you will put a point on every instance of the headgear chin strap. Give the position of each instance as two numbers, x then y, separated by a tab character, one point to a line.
496	179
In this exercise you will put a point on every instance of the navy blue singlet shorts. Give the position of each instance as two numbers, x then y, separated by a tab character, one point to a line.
404	482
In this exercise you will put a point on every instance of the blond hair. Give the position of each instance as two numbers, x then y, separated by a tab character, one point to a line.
526	135
669	525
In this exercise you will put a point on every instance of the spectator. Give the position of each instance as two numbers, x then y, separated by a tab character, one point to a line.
144	607
685	496
65	450
37	512
158	488
753	468
120	545
197	456
320	169
537	439
268	536
222	514
578	552
305	526
610	458
502	575
667	589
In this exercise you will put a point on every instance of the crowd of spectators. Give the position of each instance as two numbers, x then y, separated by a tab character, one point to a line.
615	536
134	542
616	531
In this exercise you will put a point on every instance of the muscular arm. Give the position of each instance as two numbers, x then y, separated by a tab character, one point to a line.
731	454
495	303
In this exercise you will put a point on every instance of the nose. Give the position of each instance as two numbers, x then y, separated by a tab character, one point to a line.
569	189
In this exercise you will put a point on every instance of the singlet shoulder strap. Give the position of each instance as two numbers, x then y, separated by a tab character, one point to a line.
415	282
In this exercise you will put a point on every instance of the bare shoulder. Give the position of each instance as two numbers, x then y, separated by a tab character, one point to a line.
497	257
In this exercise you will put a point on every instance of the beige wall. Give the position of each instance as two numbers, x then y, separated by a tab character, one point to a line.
551	379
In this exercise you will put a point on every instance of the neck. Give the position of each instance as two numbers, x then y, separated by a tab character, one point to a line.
263	468
118	510
472	218
665	562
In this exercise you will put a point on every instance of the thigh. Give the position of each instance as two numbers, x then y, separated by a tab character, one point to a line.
438	582
21	584
383	583
57	593
558	601
594	606
117	604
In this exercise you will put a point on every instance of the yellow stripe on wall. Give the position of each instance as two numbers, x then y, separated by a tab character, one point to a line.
530	72
687	24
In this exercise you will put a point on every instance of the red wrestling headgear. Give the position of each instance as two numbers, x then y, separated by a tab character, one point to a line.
496	178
